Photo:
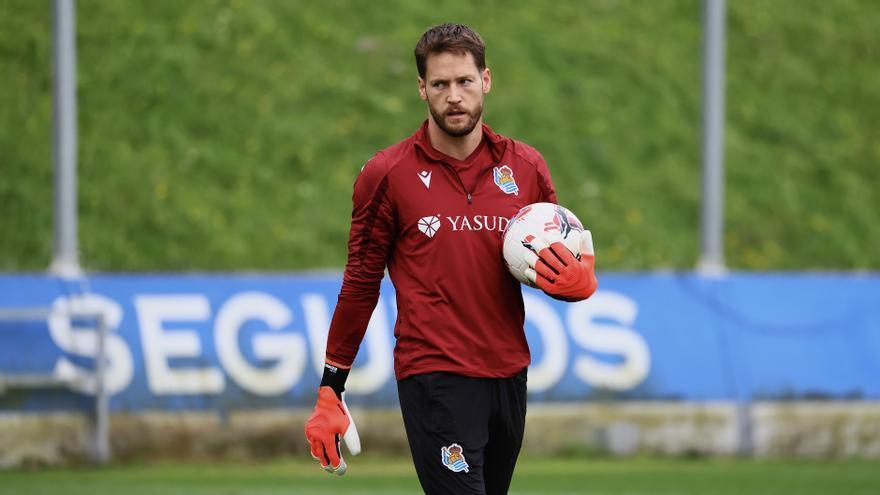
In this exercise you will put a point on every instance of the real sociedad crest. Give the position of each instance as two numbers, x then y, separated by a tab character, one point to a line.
504	180
453	458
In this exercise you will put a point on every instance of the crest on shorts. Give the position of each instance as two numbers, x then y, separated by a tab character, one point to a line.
504	180
453	458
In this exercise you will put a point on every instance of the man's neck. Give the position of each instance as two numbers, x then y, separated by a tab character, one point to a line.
456	147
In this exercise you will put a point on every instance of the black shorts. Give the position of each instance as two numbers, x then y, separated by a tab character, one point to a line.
464	433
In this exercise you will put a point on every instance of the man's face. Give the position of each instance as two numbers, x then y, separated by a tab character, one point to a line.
454	87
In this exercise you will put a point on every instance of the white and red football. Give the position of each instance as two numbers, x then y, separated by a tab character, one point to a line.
536	226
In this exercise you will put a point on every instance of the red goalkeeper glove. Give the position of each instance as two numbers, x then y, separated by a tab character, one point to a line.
328	422
560	274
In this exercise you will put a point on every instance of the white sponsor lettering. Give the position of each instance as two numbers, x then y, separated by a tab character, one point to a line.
620	340
478	222
161	344
287	350
600	326
82	340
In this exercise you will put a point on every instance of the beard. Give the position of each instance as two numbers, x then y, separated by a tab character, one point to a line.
457	130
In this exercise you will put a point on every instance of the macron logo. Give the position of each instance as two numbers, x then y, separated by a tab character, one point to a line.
426	178
429	225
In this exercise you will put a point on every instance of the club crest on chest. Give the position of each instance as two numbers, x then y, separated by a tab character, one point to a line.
503	176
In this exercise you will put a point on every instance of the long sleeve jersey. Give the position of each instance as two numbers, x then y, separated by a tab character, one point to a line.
458	308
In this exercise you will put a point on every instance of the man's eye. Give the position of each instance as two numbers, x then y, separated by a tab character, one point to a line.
438	85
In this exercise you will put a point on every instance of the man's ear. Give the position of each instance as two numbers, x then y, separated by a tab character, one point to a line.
487	80
422	94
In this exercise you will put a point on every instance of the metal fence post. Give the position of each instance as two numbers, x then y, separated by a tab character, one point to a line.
101	446
711	260
65	257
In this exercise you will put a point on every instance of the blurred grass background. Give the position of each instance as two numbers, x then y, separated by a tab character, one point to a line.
226	135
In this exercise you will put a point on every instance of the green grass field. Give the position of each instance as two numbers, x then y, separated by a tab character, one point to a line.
389	477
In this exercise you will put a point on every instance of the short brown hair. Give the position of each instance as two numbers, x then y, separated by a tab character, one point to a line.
449	37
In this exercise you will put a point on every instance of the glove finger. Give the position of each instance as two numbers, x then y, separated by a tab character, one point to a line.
350	437
318	453
328	456
531	258
544	283
337	467
543	269
587	242
340	470
531	275
332	452
589	261
313	449
562	252
550	260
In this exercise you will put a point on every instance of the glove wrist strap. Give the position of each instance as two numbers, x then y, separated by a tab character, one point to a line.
334	377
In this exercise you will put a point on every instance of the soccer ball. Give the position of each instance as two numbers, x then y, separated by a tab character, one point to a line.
536	226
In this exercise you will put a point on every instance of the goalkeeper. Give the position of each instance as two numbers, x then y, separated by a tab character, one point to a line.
432	209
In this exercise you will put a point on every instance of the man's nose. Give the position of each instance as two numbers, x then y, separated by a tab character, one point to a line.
454	95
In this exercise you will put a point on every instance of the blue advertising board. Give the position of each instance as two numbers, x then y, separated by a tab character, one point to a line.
231	341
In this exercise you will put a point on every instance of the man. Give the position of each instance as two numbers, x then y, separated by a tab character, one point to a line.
433	208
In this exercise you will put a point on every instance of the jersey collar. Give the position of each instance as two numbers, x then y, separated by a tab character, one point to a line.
497	143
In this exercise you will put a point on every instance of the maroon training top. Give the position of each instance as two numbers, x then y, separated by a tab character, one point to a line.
458	308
